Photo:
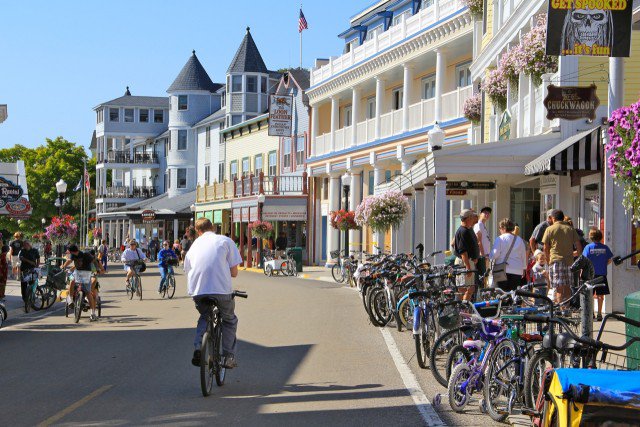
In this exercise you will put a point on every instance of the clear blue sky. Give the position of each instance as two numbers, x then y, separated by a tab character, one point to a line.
59	59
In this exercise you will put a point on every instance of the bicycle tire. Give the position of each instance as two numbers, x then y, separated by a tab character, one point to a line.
221	371
206	364
66	308
421	351
77	305
503	352
171	287
129	288
3	315
268	271
336	273
38	301
457	399
139	288
28	301
405	314
440	352
458	355
99	306
284	268
379	308
533	376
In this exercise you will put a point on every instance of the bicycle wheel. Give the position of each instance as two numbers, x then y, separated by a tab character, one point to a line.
129	287
28	303
268	270
77	305
3	315
380	308
38	302
422	350
171	286
99	306
458	387
221	371
536	367
458	355
207	364
405	313
336	272
293	269
284	268
440	352
501	386
139	287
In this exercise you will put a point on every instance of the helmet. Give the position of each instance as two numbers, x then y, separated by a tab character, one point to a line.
448	317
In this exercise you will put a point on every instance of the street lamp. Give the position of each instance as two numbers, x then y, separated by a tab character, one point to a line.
436	137
261	199
346	184
61	188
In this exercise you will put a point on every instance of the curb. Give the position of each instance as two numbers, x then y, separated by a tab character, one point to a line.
300	276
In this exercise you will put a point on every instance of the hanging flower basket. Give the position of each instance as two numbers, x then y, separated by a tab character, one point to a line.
534	62
62	229
472	108
623	151
495	86
384	211
97	233
261	229
343	220
475	7
510	66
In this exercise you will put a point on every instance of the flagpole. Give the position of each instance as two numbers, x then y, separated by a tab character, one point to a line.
300	31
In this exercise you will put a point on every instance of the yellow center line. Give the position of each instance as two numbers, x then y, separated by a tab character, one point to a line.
69	409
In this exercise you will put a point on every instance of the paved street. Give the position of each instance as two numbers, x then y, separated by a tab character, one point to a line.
307	355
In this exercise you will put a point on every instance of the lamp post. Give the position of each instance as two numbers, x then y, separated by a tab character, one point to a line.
61	188
346	184
261	199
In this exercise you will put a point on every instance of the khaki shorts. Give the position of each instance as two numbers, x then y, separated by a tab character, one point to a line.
461	279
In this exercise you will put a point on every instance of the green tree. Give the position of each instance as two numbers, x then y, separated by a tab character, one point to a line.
45	165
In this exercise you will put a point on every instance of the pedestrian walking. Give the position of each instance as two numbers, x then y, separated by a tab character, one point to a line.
185	244
535	242
15	246
144	245
600	256
510	250
467	251
559	241
4	271
103	254
281	244
482	235
177	249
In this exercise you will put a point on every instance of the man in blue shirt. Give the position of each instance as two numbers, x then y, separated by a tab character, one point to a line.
600	256
164	255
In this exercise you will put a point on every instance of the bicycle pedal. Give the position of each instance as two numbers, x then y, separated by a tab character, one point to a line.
530	412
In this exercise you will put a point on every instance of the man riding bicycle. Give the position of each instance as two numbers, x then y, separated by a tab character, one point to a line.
210	264
29	258
82	262
131	254
165	254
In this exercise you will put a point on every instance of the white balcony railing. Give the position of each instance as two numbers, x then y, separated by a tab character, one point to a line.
395	34
421	115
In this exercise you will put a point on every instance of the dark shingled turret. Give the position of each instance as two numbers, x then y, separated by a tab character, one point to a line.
248	58
193	76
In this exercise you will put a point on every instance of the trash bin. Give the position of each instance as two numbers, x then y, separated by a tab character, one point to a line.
632	311
296	254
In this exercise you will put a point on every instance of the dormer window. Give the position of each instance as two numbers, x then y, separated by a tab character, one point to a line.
182	102
114	114
236	83
252	84
143	115
158	116
128	115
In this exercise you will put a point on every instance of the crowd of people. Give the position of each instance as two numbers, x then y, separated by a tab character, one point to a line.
546	259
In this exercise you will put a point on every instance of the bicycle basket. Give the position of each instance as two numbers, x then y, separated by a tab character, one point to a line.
335	254
172	262
57	278
448	317
82	277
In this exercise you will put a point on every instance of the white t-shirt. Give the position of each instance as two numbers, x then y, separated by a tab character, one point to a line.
517	262
208	265
486	243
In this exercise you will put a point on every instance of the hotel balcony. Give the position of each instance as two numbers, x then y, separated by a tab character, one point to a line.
252	186
126	157
126	192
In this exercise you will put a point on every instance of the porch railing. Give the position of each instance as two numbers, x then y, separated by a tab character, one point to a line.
124	156
252	186
125	192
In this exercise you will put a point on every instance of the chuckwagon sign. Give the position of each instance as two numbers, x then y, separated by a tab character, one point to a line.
148	215
571	102
280	115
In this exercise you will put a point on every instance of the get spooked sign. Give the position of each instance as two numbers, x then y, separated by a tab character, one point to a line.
589	27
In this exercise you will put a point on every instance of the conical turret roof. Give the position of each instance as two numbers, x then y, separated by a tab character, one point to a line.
248	58
193	76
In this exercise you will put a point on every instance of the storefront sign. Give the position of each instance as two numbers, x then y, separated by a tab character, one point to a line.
571	102
148	215
456	192
280	115
217	217
9	192
504	129
589	27
284	213
20	209
471	185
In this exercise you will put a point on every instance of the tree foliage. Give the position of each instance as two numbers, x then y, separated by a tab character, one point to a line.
45	165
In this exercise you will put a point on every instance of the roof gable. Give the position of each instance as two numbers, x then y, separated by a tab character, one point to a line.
193	76
248	58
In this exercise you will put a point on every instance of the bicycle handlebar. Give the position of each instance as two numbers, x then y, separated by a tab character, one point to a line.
240	294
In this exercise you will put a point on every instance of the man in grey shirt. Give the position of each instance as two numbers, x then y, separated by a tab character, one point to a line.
535	242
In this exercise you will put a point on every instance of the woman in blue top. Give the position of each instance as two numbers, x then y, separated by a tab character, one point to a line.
600	256
163	256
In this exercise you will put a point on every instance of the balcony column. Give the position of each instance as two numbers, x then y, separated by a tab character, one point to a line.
406	96
404	240
532	107
441	70
355	115
429	193
379	105
355	197
314	129
418	228
334	202
118	234
440	229
378	178
130	181
109	240
522	82
335	109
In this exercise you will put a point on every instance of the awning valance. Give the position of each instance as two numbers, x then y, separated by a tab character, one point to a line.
581	152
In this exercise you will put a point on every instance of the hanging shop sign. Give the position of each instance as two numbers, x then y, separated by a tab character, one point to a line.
589	27
571	102
280	115
20	209
148	215
470	185
456	192
278	212
504	129
9	192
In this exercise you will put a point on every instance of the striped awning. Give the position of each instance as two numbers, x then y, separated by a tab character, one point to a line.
582	152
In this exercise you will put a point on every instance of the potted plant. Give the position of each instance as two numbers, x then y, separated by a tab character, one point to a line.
383	211
495	86
261	229
510	66
97	236
475	7
623	159
472	108
534	62
343	220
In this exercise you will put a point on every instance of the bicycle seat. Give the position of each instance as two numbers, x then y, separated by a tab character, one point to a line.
209	300
563	341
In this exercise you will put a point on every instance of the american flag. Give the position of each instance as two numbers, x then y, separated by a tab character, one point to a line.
302	22
87	181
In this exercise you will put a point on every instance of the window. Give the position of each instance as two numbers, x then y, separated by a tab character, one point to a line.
372	33
257	164
234	170
463	74
99	116
429	87
371	182
387	176
246	167
158	116
325	188
263	84
220	171
286	153
114	114
398	19
182	102
252	84
167	146
236	83
371	107
182	178
236	119
223	99
206	174
300	142
207	131
397	98
351	45
128	115
182	140
273	164
346	116
143	115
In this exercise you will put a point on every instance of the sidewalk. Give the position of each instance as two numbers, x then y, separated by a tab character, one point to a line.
13	302
308	272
